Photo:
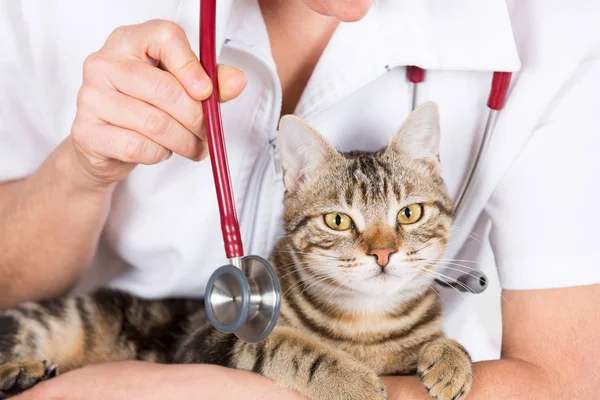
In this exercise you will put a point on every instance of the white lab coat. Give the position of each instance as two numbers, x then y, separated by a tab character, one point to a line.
531	215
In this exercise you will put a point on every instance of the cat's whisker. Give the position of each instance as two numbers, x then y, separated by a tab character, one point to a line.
446	278
462	229
427	245
321	278
299	284
475	276
471	236
437	244
438	293
292	269
309	254
463	271
332	293
295	262
315	283
453	259
449	265
315	267
445	266
316	274
446	263
283	236
300	263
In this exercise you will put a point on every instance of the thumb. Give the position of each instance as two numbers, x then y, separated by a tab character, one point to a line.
232	82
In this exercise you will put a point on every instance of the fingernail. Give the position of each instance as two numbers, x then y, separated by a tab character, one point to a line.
202	86
241	80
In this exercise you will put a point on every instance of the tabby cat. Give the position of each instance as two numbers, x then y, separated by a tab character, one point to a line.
356	270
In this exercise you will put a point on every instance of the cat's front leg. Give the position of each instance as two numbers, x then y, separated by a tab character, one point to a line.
297	361
445	369
24	338
17	377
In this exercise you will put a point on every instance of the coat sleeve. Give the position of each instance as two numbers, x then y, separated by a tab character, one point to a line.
545	212
23	144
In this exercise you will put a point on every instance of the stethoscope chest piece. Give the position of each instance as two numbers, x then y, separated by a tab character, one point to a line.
244	301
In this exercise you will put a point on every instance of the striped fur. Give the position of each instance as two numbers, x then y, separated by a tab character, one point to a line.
344	321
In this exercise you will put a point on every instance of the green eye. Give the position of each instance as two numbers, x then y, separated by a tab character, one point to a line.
338	221
410	214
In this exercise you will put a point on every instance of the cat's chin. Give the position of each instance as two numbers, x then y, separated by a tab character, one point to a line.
388	284
381	293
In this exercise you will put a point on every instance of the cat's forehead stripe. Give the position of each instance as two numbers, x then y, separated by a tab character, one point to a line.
369	175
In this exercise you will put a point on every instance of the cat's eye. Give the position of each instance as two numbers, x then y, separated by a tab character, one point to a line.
339	221
410	214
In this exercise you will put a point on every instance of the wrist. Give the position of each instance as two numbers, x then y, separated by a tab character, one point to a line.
69	168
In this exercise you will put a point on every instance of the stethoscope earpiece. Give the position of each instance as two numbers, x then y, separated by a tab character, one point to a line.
472	282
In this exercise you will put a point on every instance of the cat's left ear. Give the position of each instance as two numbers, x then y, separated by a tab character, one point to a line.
419	136
303	151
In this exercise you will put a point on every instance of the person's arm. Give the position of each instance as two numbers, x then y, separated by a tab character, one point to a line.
138	380
550	350
51	222
544	235
140	101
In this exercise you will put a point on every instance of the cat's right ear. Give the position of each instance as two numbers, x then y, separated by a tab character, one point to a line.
303	150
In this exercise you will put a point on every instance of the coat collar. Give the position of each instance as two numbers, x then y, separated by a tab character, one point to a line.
433	34
450	35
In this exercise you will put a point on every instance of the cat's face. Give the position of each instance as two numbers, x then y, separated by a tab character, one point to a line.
369	223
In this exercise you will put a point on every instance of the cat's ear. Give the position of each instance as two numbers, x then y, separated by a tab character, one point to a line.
419	136
303	150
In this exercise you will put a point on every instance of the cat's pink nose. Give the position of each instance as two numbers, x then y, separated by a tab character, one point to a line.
382	256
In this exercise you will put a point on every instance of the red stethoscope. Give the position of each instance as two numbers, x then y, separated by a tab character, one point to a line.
244	296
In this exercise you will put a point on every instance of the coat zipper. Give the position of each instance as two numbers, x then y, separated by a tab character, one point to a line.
257	181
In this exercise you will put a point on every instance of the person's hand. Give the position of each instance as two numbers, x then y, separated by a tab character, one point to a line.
138	380
140	101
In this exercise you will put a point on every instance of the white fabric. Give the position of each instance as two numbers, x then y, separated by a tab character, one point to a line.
534	195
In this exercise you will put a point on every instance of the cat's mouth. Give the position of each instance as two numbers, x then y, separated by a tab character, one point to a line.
387	273
383	275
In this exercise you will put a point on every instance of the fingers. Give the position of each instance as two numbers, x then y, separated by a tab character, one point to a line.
161	89
163	42
149	84
157	125
141	99
103	140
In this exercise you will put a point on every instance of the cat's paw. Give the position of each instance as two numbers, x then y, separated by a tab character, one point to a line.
446	370
20	376
349	380
363	384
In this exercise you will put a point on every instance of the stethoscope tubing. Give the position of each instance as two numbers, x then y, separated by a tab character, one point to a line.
496	99
230	229
475	281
